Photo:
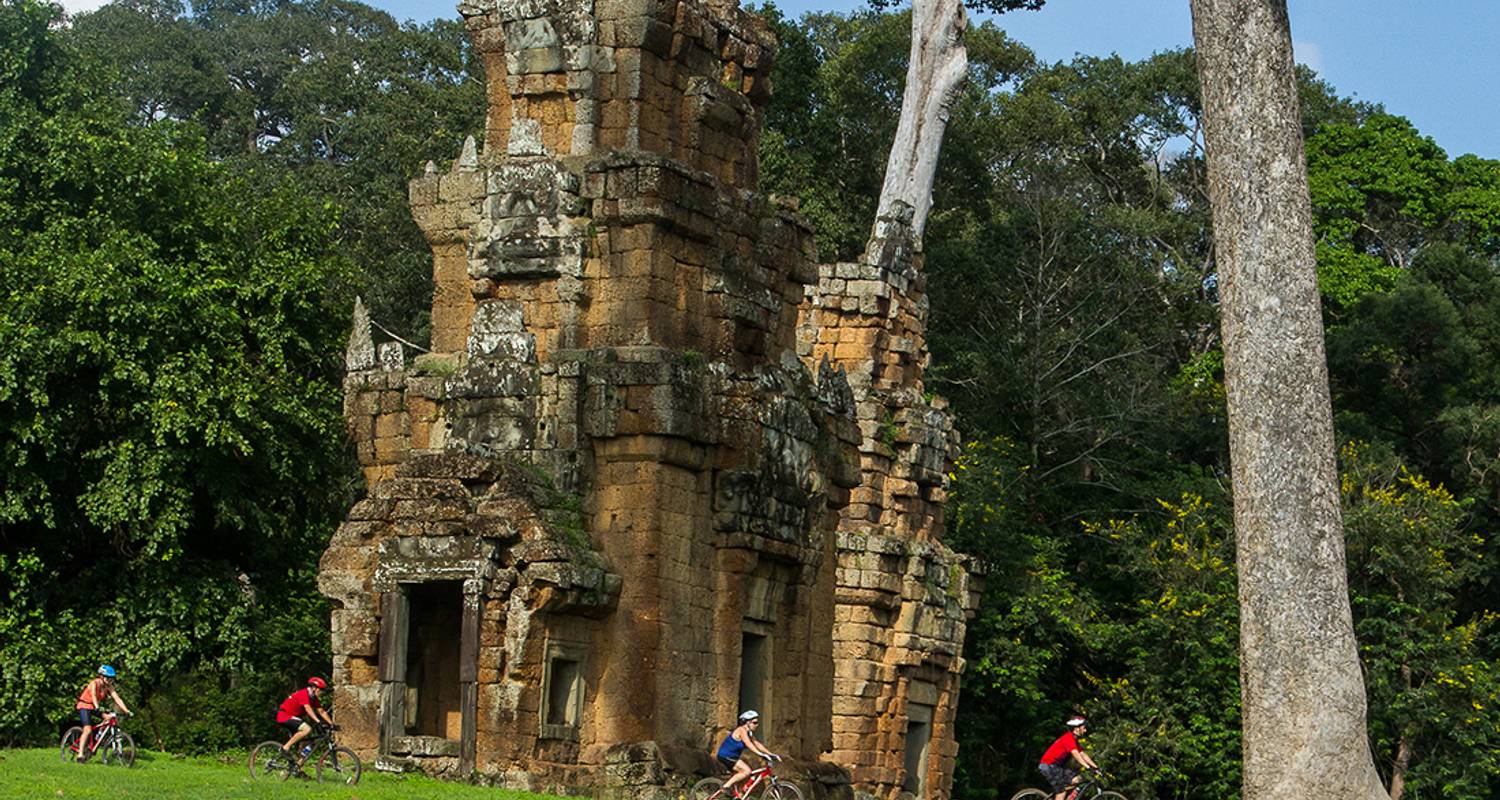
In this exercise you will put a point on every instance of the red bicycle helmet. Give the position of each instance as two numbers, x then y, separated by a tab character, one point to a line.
317	682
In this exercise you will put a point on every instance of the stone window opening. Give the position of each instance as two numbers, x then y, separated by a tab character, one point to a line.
918	737
433	693
562	692
755	673
921	701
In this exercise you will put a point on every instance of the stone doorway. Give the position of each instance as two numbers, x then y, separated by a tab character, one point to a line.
429	636
755	673
433	696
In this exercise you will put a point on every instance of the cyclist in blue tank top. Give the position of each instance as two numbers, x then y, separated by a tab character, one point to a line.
734	746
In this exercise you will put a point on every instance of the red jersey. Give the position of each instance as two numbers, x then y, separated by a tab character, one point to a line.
95	698
292	706
1057	755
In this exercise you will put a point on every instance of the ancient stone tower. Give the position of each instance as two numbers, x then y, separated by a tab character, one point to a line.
660	466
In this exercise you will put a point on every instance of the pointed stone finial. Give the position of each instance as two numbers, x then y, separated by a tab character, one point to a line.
469	160
430	169
391	356
360	355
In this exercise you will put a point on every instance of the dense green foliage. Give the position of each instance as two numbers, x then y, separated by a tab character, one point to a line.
190	200
171	431
158	776
1074	326
334	93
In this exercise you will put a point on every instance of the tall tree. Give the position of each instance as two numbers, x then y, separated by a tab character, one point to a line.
1303	695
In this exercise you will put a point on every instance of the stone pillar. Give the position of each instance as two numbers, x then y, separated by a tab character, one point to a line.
903	597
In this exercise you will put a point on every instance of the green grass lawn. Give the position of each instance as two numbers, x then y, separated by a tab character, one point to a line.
41	774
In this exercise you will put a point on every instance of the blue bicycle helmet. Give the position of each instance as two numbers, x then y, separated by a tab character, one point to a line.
106	670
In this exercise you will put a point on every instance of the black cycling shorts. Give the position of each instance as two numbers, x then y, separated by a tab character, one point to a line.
294	724
727	762
1057	775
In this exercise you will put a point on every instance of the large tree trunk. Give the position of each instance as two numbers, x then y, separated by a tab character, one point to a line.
937	66
1302	690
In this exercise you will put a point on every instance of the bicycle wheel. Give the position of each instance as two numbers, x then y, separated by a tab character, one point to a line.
341	764
268	760
1030	794
708	789
783	791
67	746
120	750
1110	796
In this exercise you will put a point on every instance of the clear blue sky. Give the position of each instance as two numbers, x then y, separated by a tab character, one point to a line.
1436	62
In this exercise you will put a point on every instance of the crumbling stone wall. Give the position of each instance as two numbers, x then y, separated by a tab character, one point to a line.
903	597
650	431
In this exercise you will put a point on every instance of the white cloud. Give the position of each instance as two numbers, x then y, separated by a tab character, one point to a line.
1310	54
76	6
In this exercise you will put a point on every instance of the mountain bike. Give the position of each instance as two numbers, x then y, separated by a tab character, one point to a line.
337	763
771	787
113	745
1090	789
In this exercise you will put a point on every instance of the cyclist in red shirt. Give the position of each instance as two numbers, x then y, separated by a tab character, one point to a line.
90	701
300	711
1055	764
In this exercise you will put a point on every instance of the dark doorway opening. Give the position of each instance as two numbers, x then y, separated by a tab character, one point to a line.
434	635
755	677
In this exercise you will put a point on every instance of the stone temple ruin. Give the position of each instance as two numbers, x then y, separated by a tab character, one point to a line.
660	465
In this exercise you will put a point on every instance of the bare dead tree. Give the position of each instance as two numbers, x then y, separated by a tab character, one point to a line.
937	65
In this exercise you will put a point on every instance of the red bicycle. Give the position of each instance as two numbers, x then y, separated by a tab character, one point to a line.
771	787
113	745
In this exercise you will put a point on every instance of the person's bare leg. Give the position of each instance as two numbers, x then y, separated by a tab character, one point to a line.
741	771
83	743
291	744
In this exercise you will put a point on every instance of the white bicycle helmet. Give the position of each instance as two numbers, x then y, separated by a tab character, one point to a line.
746	716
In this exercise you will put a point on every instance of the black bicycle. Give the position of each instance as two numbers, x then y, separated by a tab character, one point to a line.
338	763
1089	789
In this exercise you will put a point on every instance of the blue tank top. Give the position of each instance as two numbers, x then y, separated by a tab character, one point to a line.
731	748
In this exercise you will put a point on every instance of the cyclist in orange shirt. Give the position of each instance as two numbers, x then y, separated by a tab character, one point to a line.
89	701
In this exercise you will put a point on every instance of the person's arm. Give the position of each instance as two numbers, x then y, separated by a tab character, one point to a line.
120	704
1083	758
322	712
757	747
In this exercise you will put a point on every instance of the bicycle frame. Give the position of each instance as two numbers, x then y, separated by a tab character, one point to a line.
757	777
322	741
101	731
1081	791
